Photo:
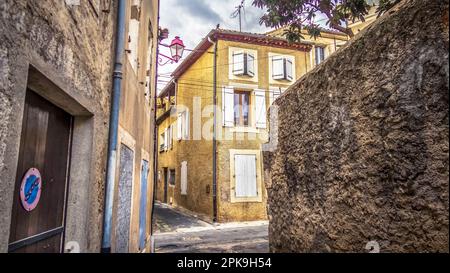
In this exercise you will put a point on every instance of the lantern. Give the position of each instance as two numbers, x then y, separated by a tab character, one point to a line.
177	49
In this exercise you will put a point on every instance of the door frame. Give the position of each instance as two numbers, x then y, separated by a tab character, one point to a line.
61	230
46	81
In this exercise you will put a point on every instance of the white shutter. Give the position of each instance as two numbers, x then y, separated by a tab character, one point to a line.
170	136
245	175
180	126
278	68
228	106
186	123
274	94
133	42
166	139
289	69
260	108
184	178
250	65
238	63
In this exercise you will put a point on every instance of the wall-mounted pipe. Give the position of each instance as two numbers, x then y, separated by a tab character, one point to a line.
155	132
114	126
214	182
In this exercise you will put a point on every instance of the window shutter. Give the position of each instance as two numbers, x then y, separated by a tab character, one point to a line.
238	63
228	106
260	108
170	136
250	65
274	94
184	178
278	68
166	139
180	126
245	175
186	123
289	69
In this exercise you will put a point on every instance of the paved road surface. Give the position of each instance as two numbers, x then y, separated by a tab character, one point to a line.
182	233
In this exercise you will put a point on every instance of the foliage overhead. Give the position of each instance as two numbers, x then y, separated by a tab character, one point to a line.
298	15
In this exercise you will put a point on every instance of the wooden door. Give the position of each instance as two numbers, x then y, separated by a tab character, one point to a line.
143	206
44	146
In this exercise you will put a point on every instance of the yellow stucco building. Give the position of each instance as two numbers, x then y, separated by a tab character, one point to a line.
252	70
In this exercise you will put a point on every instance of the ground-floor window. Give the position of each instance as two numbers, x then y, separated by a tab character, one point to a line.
245	173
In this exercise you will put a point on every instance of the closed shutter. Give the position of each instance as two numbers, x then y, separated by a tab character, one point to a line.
274	94
166	139
250	65
228	106
260	108
245	176
238	63
186	123
180	126
170	136
278	68
184	178
289	69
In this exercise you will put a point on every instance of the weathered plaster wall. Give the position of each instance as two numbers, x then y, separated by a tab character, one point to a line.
72	46
363	142
136	114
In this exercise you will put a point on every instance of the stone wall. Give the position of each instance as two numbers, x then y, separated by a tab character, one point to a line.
363	142
71	46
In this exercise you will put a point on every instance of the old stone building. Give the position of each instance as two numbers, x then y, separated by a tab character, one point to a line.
56	67
361	158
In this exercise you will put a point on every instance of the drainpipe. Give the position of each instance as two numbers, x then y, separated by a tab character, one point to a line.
113	127
155	132
214	186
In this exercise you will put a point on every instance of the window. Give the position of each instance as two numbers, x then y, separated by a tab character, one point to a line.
149	62
183	126
184	178
320	54
172	177
166	139
243	64
133	34
241	108
245	174
282	68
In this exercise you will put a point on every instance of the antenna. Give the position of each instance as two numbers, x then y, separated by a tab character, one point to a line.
237	13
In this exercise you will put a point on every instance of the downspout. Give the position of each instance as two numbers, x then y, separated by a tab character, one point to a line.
155	131
214	182
113	127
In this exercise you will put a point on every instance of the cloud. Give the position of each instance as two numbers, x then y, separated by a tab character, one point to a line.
200	10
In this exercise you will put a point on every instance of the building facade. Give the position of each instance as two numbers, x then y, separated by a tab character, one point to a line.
323	46
252	70
56	63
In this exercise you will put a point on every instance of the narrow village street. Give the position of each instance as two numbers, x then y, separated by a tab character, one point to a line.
180	232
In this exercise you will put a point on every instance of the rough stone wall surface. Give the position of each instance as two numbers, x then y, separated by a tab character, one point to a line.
75	41
362	149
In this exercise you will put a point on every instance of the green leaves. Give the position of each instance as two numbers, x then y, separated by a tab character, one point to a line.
301	15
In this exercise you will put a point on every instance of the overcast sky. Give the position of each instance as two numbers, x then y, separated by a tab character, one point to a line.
193	19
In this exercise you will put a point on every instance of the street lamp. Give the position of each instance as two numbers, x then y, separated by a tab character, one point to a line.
176	50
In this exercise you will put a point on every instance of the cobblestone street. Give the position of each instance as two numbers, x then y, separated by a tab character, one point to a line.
182	233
